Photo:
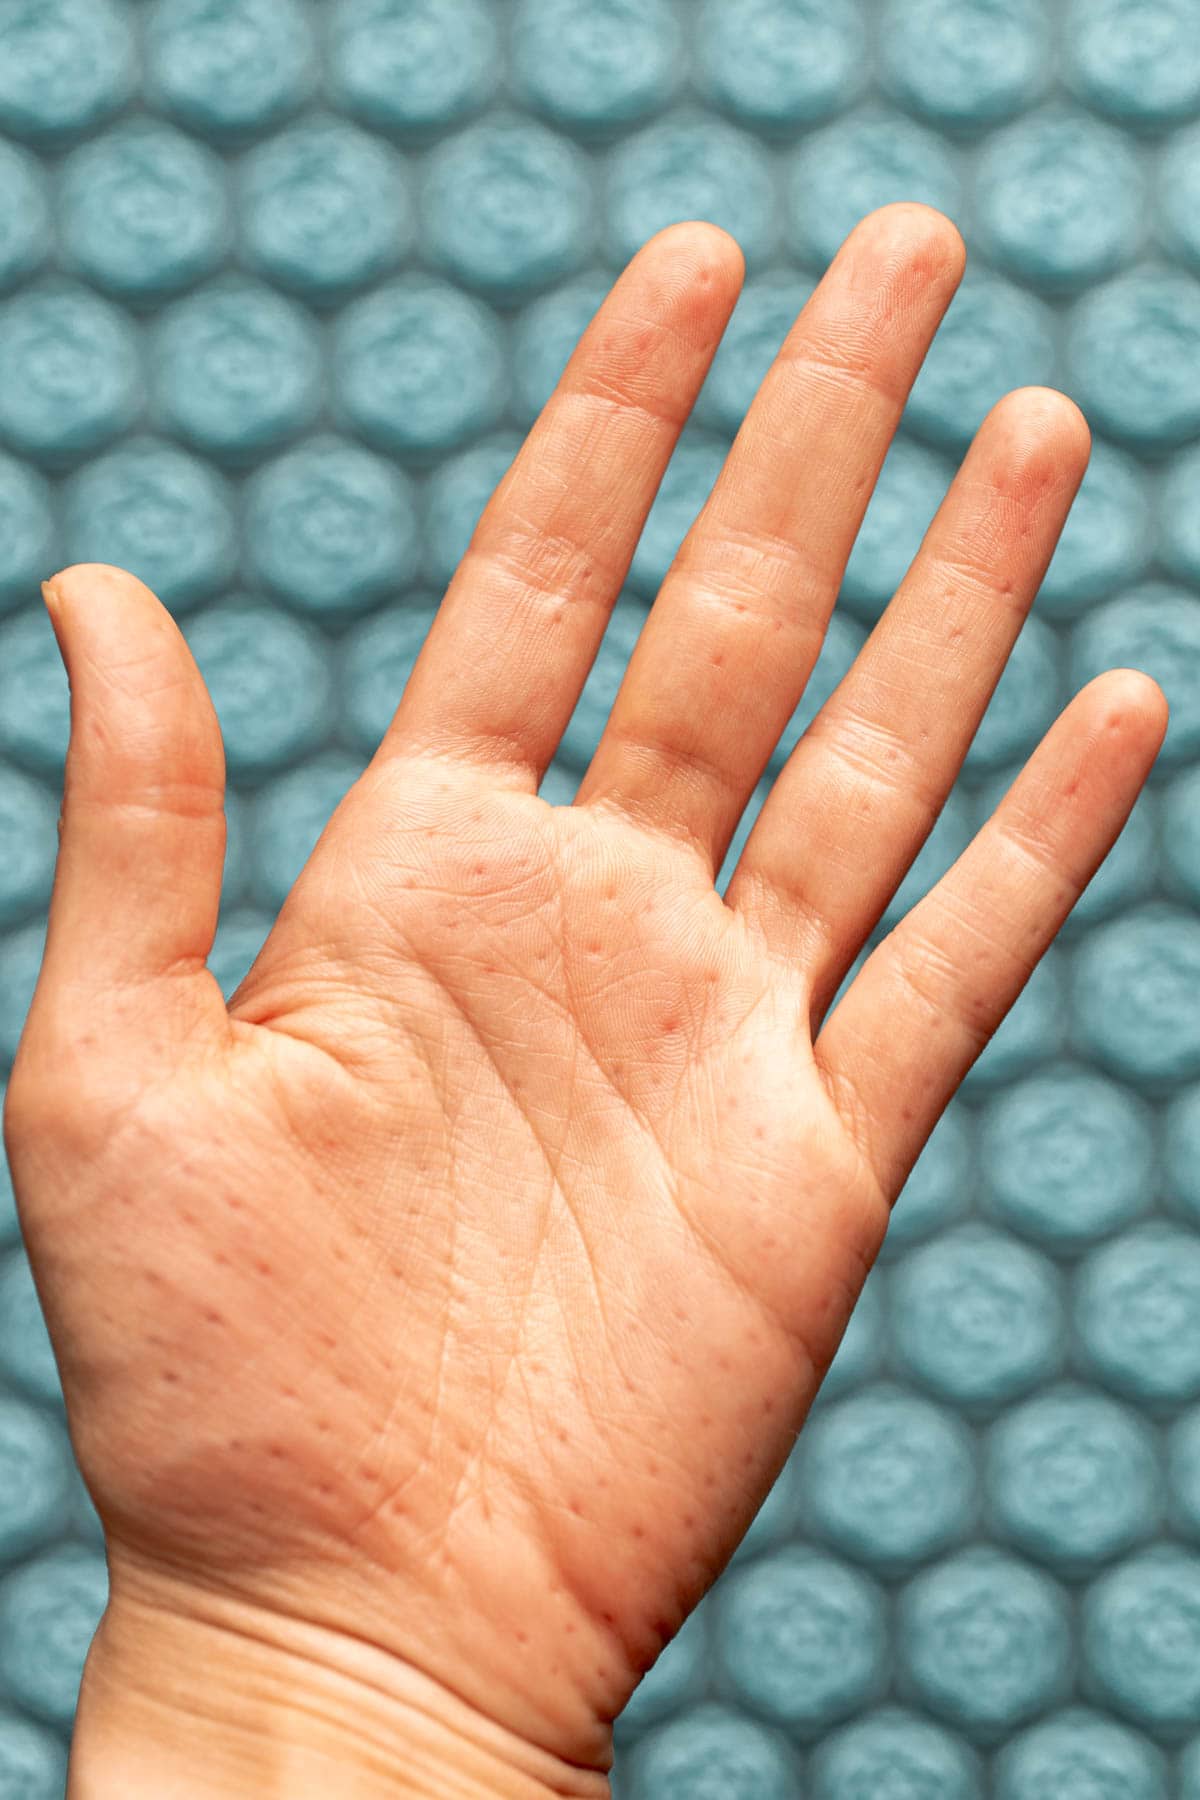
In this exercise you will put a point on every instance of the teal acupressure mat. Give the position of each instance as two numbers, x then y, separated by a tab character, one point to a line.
281	289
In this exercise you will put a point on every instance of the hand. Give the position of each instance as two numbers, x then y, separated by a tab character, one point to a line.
439	1311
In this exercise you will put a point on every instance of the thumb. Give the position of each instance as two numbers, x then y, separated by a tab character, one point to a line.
137	885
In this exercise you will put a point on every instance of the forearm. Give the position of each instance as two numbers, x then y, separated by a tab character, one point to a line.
187	1709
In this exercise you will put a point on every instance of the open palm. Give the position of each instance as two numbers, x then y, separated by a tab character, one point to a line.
461	1285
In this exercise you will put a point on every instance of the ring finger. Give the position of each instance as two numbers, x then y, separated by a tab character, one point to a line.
878	762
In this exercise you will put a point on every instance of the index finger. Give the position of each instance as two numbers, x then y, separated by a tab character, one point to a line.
518	629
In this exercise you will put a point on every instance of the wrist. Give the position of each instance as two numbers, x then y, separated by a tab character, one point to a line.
213	1699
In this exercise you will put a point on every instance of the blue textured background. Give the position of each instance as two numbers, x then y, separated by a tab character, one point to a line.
281	288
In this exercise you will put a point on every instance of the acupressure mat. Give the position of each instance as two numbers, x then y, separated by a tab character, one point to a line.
281	289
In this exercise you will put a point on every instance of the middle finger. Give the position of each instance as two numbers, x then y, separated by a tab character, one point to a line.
739	620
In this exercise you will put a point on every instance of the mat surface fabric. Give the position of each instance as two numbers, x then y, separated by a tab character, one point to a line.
281	289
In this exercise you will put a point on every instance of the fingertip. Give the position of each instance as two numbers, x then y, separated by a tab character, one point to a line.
1035	442
921	233
1131	693
71	583
1127	709
712	255
1044	412
94	606
691	273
